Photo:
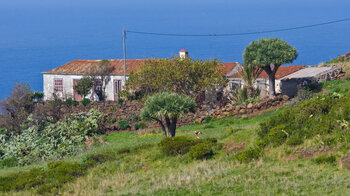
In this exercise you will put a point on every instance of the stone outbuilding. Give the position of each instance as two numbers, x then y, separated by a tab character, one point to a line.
288	78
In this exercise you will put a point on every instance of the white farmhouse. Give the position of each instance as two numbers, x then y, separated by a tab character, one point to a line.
60	81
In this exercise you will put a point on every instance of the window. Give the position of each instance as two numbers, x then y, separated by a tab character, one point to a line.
58	85
117	86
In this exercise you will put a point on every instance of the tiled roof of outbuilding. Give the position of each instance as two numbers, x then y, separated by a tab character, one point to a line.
281	72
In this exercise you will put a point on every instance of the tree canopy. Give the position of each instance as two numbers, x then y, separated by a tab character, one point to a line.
166	108
180	75
269	54
83	86
16	108
100	75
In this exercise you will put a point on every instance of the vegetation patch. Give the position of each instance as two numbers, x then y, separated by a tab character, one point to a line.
179	145
252	153
325	159
52	141
123	124
201	150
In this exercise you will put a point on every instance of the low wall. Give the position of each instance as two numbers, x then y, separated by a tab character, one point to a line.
129	109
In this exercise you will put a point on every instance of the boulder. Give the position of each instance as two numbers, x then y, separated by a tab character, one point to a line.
237	108
250	106
242	111
285	97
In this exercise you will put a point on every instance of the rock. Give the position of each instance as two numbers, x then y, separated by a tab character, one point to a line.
285	97
250	106
229	108
225	114
242	111
259	105
237	108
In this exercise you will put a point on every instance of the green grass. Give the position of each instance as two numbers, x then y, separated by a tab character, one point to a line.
145	170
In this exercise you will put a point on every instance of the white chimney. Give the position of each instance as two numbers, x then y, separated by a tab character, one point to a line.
183	53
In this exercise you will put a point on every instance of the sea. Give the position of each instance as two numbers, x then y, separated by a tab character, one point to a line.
37	35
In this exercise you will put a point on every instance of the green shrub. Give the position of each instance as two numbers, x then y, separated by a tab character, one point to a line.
325	159
46	181
71	102
85	101
52	141
303	94
120	101
294	141
252	153
304	120
207	119
140	125
9	162
94	159
177	145
123	124
201	151
136	126
135	118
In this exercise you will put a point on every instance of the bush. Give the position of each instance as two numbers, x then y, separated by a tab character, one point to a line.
46	181
135	118
57	140
325	159
201	151
140	125
71	102
177	145
294	141
303	94
123	124
85	101
252	153
94	159
9	162
120	101
304	120
207	119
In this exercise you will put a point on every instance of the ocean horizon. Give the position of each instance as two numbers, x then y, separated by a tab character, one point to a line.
38	36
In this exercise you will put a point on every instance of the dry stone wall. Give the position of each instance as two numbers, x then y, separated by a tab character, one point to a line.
129	109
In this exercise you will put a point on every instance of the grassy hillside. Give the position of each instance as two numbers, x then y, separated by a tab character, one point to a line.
341	60
134	164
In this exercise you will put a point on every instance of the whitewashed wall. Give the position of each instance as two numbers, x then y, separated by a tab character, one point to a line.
49	80
262	84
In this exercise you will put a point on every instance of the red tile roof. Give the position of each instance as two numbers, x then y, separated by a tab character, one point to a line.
80	67
227	67
281	72
183	50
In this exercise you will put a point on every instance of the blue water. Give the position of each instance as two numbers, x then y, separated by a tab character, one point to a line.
37	35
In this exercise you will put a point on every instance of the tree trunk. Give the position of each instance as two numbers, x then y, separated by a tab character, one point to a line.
172	127
271	74
163	127
272	85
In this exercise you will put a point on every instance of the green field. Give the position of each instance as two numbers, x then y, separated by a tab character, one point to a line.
140	168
